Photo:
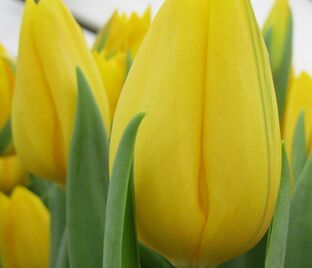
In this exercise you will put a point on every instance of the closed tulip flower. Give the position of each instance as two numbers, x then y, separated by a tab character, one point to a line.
113	72
51	46
12	173
299	99
278	33
7	80
123	33
4	202
26	234
207	158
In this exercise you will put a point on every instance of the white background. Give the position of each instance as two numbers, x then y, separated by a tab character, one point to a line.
98	11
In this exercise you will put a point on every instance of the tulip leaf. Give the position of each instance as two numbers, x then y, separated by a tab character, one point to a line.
299	148
254	258
40	187
120	244
150	259
281	76
102	37
129	61
62	260
87	182
299	243
57	206
276	251
5	137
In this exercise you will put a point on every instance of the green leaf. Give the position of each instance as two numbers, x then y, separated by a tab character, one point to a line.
276	251
299	148
102	37
129	62
120	245
62	260
40	187
150	259
254	258
57	206
87	182
281	76
299	241
5	138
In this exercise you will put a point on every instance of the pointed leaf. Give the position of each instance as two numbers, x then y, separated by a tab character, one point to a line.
87	182
150	259
299	243
57	206
120	224
276	251
299	148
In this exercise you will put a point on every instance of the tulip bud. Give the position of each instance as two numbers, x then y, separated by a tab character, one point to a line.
51	46
299	99
207	159
278	33
26	236
113	72
12	173
7	77
4	202
123	33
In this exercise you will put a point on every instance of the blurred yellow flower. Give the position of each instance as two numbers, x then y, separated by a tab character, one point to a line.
113	71
278	33
51	46
299	99
4	202
12	173
7	81
123	33
26	232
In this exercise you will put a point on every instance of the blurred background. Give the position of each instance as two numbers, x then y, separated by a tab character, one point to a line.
93	13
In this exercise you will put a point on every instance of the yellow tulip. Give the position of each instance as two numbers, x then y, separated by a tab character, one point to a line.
278	30
26	232
113	72
44	105
4	202
123	33
299	99
6	87
207	158
12	173
7	80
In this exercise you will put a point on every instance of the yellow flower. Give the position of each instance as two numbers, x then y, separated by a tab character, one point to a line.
4	202
7	79
123	33
12	173
278	30
299	99
26	231
44	105
6	87
113	71
207	159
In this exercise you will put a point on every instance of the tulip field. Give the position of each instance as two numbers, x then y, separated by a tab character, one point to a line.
177	140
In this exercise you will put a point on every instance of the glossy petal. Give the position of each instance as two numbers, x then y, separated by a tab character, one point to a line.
26	232
207	159
51	46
